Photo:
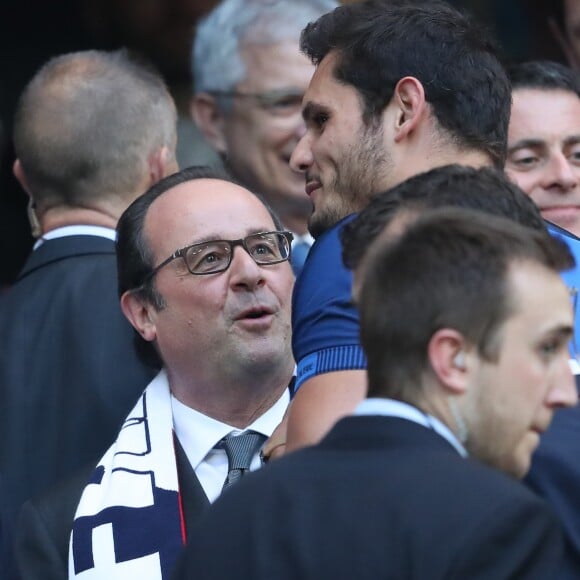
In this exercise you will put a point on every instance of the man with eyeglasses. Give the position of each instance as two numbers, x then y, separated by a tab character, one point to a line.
250	77
205	280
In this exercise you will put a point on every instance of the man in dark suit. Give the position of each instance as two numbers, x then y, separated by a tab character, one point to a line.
93	130
465	323
205	280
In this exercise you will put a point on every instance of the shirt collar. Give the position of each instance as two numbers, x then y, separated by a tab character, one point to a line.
198	433
392	408
77	230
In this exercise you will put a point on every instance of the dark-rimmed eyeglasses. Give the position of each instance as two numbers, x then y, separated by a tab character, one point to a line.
265	248
278	102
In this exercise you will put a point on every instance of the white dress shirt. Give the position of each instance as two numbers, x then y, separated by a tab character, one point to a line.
78	230
392	408
198	434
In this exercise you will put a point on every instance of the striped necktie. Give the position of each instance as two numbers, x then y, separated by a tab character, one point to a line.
240	450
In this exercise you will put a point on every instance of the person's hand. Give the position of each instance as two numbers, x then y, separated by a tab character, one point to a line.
275	446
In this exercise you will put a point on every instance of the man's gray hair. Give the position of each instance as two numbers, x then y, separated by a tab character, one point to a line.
216	58
87	123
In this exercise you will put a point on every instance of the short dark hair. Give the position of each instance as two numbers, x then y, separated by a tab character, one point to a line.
449	269
86	124
134	256
379	42
544	74
485	189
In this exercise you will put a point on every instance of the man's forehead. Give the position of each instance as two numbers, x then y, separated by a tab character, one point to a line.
200	191
326	92
538	293
323	76
209	205
530	105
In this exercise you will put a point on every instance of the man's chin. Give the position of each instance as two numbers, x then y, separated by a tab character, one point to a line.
320	222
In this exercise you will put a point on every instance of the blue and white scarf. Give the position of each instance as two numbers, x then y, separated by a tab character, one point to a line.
129	522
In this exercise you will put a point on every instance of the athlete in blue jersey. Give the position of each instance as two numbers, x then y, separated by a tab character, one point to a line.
325	320
398	89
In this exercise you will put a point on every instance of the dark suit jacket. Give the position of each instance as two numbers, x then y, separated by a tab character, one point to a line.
378	498
69	373
555	475
45	524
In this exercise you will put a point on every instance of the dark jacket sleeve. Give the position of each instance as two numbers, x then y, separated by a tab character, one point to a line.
43	530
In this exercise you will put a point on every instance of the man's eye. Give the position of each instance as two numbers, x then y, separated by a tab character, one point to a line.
319	120
574	156
263	250
211	258
289	102
525	161
550	348
206	258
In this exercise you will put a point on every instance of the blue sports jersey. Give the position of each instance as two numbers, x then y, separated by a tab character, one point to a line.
325	323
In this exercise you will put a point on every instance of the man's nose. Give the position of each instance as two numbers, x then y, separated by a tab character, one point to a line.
245	273
564	392
301	159
560	173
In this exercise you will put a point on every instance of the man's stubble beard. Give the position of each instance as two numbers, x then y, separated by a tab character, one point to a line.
364	170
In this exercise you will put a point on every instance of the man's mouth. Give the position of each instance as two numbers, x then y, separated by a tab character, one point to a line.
254	313
568	208
312	186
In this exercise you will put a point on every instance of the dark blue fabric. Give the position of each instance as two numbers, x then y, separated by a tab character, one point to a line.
379	497
555	475
325	323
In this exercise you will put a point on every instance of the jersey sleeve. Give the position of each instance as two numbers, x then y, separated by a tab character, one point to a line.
325	322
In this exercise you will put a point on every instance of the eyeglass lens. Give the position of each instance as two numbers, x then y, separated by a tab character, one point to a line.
210	257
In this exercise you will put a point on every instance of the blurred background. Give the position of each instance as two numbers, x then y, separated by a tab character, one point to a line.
33	31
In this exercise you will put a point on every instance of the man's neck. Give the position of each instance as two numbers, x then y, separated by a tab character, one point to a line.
236	403
58	218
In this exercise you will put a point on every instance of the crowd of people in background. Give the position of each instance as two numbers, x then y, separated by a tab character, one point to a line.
338	341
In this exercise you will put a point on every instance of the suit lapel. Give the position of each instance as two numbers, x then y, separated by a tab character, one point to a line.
193	499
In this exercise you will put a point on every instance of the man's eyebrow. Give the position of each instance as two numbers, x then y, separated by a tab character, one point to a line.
220	237
564	331
526	144
571	140
311	109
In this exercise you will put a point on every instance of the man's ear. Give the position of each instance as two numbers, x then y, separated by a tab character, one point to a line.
449	358
210	120
20	176
35	227
140	315
161	164
409	99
